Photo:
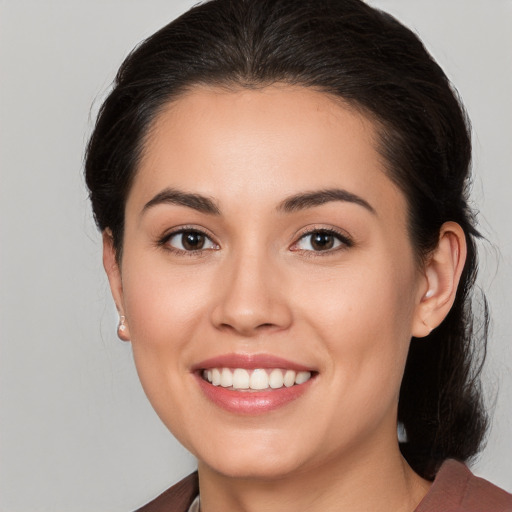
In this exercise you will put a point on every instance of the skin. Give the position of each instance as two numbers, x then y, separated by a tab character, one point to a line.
259	287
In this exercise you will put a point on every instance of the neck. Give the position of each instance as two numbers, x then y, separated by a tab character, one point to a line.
378	482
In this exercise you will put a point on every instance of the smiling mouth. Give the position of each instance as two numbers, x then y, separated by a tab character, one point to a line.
258	379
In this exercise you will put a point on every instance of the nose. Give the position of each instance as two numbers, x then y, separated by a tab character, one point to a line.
251	297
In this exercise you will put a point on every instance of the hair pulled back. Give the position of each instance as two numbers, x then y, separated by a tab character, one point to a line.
366	57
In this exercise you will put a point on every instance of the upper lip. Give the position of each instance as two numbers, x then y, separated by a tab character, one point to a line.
249	362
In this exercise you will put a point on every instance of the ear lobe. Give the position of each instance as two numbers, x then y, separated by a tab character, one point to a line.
113	271
442	275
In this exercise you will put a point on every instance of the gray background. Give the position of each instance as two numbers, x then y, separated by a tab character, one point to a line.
76	432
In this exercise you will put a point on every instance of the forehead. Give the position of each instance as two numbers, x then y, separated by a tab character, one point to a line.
262	143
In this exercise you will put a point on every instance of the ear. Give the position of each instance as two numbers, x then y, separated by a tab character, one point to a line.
441	277
113	271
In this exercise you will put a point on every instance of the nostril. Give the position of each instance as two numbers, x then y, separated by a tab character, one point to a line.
263	326
250	316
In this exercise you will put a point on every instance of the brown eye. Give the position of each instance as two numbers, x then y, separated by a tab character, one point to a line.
321	241
190	241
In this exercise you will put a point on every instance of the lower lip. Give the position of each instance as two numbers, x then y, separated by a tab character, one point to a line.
252	402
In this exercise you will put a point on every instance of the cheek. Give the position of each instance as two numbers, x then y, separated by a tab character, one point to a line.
162	304
163	311
364	317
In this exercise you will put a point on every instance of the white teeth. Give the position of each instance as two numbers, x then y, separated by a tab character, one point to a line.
226	378
257	379
215	377
302	377
241	379
289	378
276	379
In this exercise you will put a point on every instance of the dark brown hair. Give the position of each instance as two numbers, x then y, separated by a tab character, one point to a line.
367	58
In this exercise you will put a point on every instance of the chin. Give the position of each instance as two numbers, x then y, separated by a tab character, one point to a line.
271	468
251	460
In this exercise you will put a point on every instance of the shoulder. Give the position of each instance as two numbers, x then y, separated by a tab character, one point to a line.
177	498
456	489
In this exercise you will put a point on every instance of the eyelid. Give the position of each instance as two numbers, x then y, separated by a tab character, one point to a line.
164	239
341	235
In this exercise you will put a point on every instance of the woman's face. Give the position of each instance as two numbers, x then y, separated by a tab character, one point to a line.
264	243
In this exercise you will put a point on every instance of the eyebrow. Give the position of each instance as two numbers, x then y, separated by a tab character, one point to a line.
306	200
197	202
294	203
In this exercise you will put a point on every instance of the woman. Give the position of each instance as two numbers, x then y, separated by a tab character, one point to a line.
281	187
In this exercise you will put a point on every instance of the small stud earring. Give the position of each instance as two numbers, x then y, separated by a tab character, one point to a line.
429	294
121	329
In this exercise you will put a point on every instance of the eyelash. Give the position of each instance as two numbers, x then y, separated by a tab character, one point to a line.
344	241
164	241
